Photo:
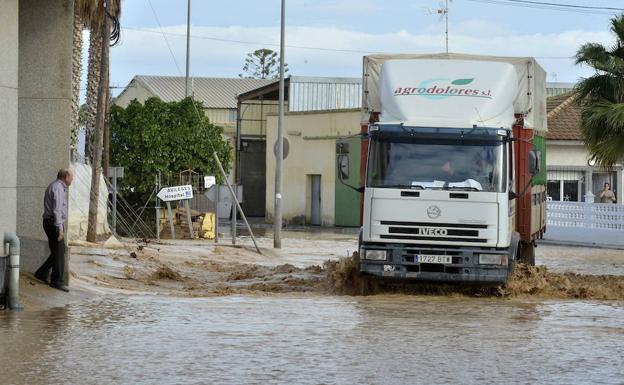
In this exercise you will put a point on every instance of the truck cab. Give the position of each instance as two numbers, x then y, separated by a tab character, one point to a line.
448	181
436	204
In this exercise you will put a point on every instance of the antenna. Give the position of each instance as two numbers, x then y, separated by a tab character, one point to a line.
442	11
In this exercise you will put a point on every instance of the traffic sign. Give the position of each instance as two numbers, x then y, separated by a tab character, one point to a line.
176	193
209	181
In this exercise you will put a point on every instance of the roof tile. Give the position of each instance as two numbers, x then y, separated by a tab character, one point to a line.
565	122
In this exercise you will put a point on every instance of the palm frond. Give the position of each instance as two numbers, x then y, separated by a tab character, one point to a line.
617	27
599	86
602	129
593	54
92	11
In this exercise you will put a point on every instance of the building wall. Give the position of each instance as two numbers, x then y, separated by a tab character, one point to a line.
44	110
254	116
566	155
312	137
570	161
135	90
224	117
9	33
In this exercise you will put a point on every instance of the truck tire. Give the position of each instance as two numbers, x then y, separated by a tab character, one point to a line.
527	254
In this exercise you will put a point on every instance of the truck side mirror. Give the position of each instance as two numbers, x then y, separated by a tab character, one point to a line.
343	165
534	163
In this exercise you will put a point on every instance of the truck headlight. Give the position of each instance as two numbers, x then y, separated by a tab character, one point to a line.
492	259
376	255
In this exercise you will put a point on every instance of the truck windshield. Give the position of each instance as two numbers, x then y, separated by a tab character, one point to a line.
453	164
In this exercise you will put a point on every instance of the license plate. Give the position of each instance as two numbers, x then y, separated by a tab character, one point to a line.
446	259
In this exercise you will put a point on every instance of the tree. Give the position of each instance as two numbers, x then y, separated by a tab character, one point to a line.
110	10
85	13
95	22
601	97
262	64
165	137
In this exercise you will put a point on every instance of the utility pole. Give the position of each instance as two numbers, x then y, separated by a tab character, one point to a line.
187	88
277	220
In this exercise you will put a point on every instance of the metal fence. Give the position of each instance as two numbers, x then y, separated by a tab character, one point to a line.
588	223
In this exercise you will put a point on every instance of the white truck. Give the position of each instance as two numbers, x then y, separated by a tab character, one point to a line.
453	166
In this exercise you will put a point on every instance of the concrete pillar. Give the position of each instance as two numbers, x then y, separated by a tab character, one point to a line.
589	185
45	53
620	186
8	114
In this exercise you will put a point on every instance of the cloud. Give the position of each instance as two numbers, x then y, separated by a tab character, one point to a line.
146	52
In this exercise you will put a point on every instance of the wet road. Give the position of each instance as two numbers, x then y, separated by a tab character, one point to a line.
385	339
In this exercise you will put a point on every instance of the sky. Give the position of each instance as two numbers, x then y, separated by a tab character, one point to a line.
329	37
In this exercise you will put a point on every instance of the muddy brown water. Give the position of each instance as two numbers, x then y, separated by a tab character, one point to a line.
312	339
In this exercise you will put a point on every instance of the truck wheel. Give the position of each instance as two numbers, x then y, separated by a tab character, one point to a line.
527	253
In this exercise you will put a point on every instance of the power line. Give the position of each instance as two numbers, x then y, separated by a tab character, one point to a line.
553	6
264	44
312	48
565	5
164	36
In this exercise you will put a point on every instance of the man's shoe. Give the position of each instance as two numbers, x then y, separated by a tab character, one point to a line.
59	287
41	277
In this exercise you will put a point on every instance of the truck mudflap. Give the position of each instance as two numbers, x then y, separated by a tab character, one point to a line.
460	265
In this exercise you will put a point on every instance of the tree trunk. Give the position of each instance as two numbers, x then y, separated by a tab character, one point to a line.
76	74
96	169
93	81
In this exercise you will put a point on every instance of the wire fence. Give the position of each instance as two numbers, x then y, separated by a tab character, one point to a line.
128	222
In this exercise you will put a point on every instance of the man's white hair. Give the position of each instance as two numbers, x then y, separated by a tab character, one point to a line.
64	173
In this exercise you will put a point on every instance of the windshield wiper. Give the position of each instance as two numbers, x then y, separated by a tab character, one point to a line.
405	186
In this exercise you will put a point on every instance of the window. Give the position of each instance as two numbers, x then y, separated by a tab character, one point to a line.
404	162
553	189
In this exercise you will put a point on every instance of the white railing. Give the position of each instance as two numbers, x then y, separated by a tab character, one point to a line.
590	223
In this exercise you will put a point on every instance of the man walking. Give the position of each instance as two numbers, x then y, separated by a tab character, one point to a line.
54	217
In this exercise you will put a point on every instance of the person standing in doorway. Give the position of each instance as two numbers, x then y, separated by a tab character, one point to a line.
54	217
606	195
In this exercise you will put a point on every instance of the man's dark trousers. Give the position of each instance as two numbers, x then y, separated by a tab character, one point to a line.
56	260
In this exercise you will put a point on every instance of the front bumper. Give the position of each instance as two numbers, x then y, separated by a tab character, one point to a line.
465	267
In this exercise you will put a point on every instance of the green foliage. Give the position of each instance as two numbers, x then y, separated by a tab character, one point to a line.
602	97
166	137
262	64
539	144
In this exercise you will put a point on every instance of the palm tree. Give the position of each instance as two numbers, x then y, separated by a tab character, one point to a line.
84	13
107	10
602	97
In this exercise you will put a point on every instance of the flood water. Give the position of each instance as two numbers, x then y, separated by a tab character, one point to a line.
384	339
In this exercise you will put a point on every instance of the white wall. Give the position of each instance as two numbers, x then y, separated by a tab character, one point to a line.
312	138
566	155
78	205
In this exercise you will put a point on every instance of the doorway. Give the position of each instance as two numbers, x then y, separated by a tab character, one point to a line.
253	176
314	183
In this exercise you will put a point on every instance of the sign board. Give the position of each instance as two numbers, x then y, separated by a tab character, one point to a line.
176	193
116	172
286	148
209	181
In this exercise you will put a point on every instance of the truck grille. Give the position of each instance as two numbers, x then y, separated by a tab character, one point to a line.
422	231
